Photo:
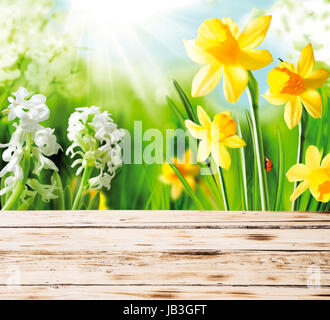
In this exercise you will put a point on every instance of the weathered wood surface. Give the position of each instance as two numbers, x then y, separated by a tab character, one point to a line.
159	255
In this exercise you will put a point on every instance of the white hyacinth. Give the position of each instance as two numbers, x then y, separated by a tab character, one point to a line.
95	138
29	132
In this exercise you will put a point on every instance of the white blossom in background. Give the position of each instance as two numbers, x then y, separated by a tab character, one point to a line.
301	22
95	139
297	23
32	47
29	113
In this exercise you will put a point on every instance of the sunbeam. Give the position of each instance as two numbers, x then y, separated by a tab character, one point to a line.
117	34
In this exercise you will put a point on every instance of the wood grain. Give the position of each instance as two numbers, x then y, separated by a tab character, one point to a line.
164	255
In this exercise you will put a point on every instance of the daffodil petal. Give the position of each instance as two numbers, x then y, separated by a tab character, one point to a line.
210	33
306	61
326	162
196	53
288	65
276	99
302	187
204	150
192	169
254	59
315	192
197	131
254	33
234	142
313	157
220	155
192	183
292	112
316	79
203	117
313	102
165	180
206	80
232	26
235	80
298	172
176	190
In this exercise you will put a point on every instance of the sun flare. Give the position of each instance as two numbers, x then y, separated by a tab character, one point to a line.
124	12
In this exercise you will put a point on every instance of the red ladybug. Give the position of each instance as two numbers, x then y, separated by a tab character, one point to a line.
268	164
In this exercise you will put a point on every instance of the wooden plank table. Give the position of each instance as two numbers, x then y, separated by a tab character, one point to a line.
164	255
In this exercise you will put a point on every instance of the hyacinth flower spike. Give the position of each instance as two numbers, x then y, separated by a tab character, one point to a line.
29	147
95	140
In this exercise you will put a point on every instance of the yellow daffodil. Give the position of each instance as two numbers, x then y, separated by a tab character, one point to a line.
103	200
189	171
215	136
292	86
223	50
314	175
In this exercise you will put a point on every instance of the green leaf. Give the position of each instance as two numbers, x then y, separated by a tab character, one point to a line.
185	101
253	95
254	89
212	184
94	203
82	207
68	197
27	203
58	203
4	196
280	161
176	111
253	181
243	179
86	198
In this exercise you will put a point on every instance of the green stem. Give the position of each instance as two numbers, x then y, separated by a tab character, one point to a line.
243	170
302	131
223	189
59	203
257	136
82	187
20	185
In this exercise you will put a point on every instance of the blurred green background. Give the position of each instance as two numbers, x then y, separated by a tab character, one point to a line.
78	54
